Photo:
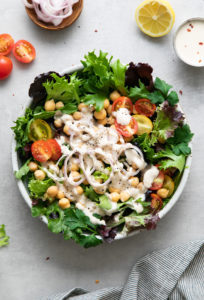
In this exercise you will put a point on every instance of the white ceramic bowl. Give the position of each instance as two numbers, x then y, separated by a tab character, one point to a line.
25	194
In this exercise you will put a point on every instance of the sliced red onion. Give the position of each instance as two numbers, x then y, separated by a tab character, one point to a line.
27	4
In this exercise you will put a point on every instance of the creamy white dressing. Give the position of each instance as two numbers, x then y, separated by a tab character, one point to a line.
189	42
149	176
91	145
122	116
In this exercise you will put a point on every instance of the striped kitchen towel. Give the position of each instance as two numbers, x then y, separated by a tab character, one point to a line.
176	273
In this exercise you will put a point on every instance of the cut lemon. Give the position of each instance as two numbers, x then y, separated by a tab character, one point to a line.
155	17
144	124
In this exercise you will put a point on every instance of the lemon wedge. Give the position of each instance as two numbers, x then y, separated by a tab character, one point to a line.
155	17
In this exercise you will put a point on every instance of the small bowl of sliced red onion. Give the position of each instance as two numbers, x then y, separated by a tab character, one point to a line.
53	14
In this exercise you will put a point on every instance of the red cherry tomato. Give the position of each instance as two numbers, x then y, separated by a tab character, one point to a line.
6	67
122	102
127	130
156	202
145	107
55	148
24	51
158	182
41	151
6	43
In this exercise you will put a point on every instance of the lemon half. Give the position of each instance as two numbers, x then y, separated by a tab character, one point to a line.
155	17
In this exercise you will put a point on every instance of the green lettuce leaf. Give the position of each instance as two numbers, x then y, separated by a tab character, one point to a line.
97	100
100	175
4	239
104	202
118	76
91	194
38	188
24	170
167	159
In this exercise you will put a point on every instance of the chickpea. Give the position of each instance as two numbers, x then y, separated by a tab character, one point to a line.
75	175
64	203
100	115
163	193
60	195
115	197
99	180
99	191
81	106
106	103
52	191
79	190
111	120
103	122
49	105
77	115
58	123
134	181
141	186
109	109
114	95
59	105
32	166
74	167
66	130
134	166
39	175
85	182
124	196
113	190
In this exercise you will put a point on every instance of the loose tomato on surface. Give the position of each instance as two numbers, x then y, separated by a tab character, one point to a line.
24	51
127	130
6	67
169	184
156	202
55	148
158	181
39	130
144	124
145	107
41	151
122	102
6	43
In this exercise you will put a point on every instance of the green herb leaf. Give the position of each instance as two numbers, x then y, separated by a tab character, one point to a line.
172	98
162	86
4	239
95	99
156	97
91	194
139	92
104	202
38	188
24	170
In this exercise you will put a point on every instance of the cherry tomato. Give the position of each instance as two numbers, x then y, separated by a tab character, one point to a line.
122	102
56	150
158	182
6	67
41	151
24	51
145	107
144	124
39	130
127	130
6	43
168	184
156	202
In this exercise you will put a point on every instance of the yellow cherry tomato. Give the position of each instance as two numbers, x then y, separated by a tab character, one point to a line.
39	130
168	184
144	124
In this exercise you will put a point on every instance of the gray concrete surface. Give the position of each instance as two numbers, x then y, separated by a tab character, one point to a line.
25	274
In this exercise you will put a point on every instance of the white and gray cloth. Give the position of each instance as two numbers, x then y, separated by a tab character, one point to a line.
176	273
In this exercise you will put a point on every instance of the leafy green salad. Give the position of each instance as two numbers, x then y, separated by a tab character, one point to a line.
102	150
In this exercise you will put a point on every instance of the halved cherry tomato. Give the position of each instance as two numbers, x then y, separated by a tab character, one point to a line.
39	130
127	130
122	102
158	181
145	107
55	147
156	202
24	51
6	43
168	184
6	67
41	151
144	124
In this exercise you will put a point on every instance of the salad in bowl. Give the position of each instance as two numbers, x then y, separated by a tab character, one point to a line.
101	150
